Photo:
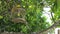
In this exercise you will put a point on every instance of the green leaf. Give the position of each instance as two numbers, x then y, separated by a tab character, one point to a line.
1	17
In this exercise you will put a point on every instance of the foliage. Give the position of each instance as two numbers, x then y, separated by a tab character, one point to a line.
34	10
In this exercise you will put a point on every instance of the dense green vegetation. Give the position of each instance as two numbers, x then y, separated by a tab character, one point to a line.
34	11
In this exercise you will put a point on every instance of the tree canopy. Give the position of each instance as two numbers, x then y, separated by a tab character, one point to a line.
34	11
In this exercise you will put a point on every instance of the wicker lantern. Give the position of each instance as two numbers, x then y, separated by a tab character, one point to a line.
18	14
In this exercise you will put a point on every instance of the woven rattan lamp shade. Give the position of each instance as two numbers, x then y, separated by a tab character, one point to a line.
18	14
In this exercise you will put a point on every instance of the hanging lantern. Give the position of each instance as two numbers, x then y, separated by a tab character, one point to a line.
18	14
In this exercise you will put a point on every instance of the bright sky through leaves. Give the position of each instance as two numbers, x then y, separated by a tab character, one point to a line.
47	14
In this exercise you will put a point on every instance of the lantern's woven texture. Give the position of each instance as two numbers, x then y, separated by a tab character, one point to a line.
17	14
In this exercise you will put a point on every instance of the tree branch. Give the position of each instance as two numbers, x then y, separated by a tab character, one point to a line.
54	25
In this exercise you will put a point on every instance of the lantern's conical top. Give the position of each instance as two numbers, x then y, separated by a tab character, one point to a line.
18	6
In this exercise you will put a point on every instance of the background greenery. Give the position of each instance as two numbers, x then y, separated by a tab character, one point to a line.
34	11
